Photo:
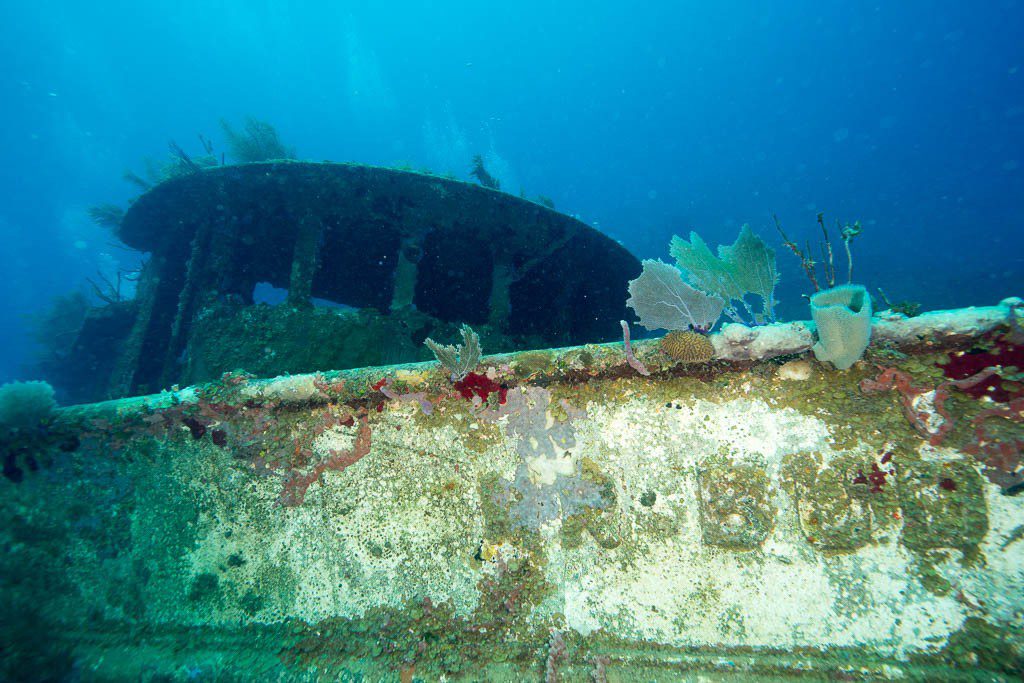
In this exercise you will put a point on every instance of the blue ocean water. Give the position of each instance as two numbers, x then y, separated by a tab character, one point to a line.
645	121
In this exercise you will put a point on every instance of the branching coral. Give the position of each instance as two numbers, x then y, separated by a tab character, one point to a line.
297	482
255	432
106	215
480	173
259	142
1001	456
806	255
925	410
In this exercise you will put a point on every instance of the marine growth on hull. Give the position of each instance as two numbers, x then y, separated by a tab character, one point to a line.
542	515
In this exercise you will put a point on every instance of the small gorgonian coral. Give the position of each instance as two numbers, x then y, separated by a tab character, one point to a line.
458	360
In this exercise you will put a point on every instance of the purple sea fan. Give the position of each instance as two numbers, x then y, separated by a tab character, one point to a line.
663	300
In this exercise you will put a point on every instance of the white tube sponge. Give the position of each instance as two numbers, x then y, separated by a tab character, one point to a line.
843	318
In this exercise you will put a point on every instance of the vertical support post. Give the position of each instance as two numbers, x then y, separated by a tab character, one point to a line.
406	273
304	260
500	301
197	259
123	376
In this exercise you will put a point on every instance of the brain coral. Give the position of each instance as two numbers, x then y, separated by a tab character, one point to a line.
688	347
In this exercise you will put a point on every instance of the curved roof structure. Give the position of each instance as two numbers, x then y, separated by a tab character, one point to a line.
472	248
366	237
